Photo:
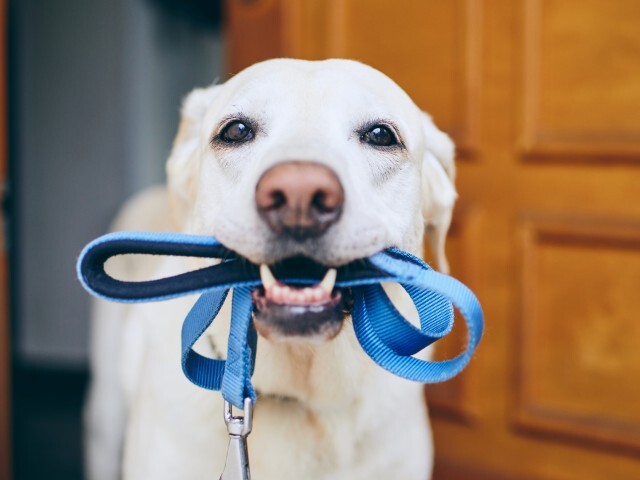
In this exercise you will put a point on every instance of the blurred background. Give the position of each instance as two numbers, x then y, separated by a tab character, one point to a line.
542	98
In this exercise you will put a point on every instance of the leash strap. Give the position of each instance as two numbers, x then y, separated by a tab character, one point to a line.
384	334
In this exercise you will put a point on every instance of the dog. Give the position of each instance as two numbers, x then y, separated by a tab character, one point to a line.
329	161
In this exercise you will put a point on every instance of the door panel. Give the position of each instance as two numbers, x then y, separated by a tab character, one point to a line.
576	359
457	399
444	84
581	70
541	97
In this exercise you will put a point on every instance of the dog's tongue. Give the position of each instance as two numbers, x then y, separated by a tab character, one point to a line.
280	293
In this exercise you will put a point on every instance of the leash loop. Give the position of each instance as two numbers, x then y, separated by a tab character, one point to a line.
384	334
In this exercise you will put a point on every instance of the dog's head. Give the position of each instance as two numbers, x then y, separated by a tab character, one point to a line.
299	164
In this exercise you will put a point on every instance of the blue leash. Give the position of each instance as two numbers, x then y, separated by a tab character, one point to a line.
384	334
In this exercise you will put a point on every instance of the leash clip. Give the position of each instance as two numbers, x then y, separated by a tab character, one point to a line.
236	466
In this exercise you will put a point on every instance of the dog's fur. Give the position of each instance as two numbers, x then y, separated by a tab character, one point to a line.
325	411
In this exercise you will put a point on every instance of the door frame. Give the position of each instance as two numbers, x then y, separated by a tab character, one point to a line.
5	357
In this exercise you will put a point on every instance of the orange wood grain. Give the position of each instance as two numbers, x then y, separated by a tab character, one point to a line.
542	96
254	31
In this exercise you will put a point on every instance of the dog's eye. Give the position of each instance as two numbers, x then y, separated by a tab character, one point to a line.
236	131
380	136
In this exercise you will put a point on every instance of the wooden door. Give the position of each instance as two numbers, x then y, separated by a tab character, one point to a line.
543	100
5	429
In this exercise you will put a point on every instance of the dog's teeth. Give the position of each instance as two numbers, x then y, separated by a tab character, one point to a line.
309	294
268	280
318	295
329	280
277	294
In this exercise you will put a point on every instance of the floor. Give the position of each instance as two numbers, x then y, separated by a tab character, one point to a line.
47	425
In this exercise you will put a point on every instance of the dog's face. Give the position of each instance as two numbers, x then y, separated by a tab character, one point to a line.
310	164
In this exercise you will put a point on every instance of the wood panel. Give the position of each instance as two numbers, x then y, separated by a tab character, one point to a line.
436	54
578	338
580	78
452	470
457	398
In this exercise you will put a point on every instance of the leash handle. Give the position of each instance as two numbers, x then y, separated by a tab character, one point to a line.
92	275
230	272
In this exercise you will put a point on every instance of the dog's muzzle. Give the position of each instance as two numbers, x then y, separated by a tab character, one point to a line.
299	200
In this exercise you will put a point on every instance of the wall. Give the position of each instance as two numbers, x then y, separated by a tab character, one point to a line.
96	90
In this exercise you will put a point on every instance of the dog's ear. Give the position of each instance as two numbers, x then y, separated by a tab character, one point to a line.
182	166
438	189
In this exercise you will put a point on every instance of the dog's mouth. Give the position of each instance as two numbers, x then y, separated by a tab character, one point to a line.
306	311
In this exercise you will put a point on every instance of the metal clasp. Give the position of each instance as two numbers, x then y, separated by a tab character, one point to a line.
236	466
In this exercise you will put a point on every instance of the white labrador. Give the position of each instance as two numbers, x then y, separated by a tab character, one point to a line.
358	168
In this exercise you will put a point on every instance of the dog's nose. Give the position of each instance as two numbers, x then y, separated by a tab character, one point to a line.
299	199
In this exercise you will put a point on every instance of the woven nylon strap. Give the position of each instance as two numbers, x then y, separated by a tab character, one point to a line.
384	334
